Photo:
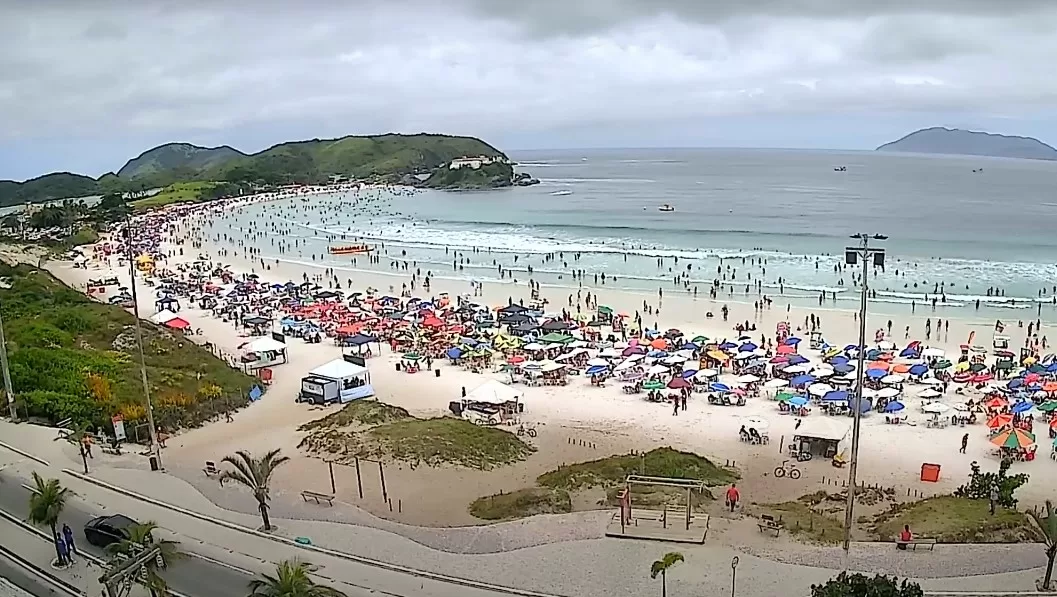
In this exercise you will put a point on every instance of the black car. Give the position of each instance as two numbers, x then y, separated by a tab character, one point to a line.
104	530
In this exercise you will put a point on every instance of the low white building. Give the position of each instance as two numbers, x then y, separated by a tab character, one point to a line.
474	162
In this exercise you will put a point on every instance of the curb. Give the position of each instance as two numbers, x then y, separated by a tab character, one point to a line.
41	573
24	453
465	582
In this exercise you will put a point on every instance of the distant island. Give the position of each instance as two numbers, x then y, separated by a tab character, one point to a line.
421	159
962	142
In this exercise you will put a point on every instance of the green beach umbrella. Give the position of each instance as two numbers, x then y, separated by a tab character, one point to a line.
411	356
699	339
944	364
556	338
605	310
1004	365
652	385
784	396
1049	406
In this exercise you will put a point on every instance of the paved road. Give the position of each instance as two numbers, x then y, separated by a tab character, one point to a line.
25	581
192	576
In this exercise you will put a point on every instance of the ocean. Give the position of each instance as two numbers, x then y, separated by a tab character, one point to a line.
957	227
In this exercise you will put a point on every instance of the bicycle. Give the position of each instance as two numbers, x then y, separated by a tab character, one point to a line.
530	431
787	469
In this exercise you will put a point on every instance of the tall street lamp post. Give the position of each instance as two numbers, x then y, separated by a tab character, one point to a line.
130	255
852	255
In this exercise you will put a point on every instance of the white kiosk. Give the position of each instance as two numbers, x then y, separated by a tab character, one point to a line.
341	380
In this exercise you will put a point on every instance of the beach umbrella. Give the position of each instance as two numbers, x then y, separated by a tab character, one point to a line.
929	393
747	347
936	408
797	359
719	387
453	353
516	359
779	359
890	379
962	377
801	380
838	360
1014	438
653	385
1049	406
633	350
909	352
835	396
690	346
596	370
749	378
699	339
941	365
679	383
819	389
982	377
901	368
1050	386
876	373
656	370
688	373
793	369
785	349
894	406
882	365
1000	420
1022	407
817	372
887	393
659	344
774	384
918	370
792	341
844	368
597	362
796	400
996	402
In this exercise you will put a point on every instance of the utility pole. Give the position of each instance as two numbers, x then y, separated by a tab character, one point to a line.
11	406
852	255
154	445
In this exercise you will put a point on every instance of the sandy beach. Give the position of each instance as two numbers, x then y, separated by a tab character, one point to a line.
605	420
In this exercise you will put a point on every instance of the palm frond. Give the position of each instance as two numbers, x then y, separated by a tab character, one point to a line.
662	565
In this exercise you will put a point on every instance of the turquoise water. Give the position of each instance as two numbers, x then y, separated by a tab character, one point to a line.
779	218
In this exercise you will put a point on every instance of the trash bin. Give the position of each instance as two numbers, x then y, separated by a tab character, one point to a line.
154	463
437	372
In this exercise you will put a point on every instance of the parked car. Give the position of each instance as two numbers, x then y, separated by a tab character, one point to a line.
104	530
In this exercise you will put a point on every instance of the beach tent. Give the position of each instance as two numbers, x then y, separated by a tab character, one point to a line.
177	323
823	436
162	317
494	392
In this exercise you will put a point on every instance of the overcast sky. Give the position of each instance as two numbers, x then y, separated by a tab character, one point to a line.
87	84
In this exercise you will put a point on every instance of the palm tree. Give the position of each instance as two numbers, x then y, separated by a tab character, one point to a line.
46	504
139	537
291	580
1049	534
256	474
661	567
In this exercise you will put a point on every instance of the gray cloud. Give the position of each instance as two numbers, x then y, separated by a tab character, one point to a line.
503	67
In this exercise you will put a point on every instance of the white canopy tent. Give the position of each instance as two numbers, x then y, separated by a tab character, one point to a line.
494	392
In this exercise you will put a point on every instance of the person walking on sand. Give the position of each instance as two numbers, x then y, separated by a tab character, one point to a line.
733	496
965	442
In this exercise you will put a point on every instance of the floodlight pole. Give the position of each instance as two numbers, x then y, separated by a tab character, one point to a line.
8	389
155	448
866	254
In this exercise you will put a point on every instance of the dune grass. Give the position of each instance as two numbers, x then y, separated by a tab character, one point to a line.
359	412
522	503
950	519
659	462
180	192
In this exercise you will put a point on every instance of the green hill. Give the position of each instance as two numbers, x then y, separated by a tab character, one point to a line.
174	159
388	157
58	185
488	176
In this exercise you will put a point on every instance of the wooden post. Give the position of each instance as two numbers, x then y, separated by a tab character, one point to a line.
333	487
688	506
359	480
381	475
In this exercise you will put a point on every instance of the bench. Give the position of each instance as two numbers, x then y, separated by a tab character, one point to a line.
768	523
211	469
317	496
915	543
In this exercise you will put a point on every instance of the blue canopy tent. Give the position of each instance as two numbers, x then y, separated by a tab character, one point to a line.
359	339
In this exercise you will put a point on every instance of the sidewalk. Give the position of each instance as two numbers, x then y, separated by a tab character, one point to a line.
591	568
82	574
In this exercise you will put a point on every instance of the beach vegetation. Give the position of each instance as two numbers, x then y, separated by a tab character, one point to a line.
256	475
953	519
809	519
71	357
384	432
57	185
980	484
662	566
291	580
140	536
522	503
46	503
488	176
359	412
1048	526
860	585
659	462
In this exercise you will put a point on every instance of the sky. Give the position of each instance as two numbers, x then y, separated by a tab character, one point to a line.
87	84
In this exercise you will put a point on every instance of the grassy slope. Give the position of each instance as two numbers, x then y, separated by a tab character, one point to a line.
955	520
58	338
180	192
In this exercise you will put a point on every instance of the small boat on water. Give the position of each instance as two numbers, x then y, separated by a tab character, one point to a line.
350	249
666	207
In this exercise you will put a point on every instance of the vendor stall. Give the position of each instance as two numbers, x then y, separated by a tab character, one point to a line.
339	380
263	352
825	437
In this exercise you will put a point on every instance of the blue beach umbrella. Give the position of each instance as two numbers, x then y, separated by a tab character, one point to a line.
873	354
596	370
727	345
1015	383
838	360
835	396
719	387
797	359
876	373
797	401
690	346
747	347
919	370
802	380
792	341
851	347
894	406
844	368
453	353
909	352
688	373
1022	407
1052	367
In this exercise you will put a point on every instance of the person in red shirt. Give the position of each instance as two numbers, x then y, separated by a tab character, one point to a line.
904	537
733	495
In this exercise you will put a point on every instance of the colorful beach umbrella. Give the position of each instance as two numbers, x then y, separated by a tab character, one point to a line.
1049	406
999	421
652	385
1014	438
